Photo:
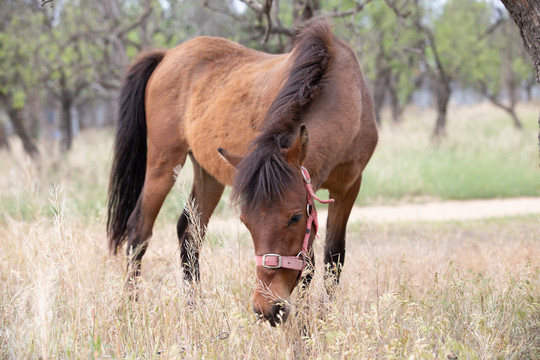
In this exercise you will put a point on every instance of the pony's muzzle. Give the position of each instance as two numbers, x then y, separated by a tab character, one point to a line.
276	314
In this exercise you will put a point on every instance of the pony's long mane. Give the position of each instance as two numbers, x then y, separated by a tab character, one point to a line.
264	174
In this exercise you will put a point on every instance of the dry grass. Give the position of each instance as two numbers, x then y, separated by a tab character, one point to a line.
467	290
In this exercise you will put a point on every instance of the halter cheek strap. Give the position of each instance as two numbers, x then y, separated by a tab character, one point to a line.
298	262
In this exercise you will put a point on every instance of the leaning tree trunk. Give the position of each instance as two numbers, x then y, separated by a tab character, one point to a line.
510	110
511	86
526	15
16	117
515	120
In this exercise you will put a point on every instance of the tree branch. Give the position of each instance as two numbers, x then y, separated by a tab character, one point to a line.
144	16
225	10
254	5
501	19
399	13
45	2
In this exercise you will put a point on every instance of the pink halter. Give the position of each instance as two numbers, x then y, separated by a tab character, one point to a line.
298	262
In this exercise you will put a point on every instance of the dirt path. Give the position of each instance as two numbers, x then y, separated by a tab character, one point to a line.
444	211
434	211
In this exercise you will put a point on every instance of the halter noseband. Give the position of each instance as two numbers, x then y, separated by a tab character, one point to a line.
298	262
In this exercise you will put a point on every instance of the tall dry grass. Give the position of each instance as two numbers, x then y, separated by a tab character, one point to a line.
460	290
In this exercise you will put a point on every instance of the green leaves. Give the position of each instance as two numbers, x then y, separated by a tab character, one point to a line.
19	99
459	34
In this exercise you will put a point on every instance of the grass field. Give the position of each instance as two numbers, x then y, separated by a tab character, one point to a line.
456	290
483	157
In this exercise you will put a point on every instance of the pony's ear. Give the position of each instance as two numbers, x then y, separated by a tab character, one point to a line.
298	150
234	160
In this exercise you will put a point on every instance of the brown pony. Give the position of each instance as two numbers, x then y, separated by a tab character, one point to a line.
273	114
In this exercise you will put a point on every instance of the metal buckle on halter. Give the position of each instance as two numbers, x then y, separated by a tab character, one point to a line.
278	257
307	178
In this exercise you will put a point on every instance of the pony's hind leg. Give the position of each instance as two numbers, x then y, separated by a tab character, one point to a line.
338	215
159	179
191	228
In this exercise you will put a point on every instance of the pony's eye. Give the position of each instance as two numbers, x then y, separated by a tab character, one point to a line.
294	219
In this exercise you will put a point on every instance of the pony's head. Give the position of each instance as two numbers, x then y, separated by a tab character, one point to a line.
273	193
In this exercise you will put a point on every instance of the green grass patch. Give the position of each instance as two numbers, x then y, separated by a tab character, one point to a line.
483	156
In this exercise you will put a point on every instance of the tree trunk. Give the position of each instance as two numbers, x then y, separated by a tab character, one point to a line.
33	114
530	83
65	125
81	110
526	15
396	105
4	143
397	108
442	94
379	90
17	120
440	125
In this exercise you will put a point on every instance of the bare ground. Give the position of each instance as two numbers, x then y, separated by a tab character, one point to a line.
445	211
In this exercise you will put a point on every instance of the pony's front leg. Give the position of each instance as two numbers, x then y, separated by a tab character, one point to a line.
191	227
338	215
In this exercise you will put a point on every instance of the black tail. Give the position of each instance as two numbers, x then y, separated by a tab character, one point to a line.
129	162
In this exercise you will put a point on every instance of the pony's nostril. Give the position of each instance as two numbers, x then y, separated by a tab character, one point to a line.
276	309
278	314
